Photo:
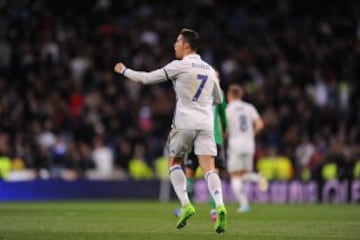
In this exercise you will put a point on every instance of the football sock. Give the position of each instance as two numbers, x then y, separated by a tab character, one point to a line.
237	187
178	181
190	187
214	186
257	178
251	177
212	203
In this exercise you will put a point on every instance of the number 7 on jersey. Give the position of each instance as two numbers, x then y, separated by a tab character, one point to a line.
203	79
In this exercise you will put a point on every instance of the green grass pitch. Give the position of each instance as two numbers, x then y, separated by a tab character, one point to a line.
118	220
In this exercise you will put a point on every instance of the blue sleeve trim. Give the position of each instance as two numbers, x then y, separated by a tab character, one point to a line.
166	75
123	73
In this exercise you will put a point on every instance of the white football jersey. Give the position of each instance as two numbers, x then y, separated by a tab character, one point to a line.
240	122
196	86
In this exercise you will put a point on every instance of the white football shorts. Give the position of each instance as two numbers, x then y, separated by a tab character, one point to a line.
180	142
237	161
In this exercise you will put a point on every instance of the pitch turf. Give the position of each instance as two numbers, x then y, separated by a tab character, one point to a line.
154	220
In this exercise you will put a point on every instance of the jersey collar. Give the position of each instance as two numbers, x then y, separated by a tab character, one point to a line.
192	55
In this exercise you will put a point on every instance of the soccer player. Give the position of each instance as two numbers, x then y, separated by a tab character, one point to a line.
197	89
244	123
191	162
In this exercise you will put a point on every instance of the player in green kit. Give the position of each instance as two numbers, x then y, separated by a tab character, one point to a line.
191	162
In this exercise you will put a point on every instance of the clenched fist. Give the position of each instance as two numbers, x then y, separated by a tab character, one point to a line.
119	67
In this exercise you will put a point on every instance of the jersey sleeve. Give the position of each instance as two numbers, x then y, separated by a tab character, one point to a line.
171	70
156	76
254	113
217	92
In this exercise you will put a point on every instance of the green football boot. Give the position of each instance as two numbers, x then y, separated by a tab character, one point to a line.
186	212
221	222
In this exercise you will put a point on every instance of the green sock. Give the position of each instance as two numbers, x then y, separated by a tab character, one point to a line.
212	203
190	187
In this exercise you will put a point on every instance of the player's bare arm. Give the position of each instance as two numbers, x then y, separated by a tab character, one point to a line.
258	125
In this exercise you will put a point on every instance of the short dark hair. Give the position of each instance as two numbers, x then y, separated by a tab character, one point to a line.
191	37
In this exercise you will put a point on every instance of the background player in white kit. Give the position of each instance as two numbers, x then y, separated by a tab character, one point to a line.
243	123
197	90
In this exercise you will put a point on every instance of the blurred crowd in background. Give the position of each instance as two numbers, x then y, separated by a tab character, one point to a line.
64	113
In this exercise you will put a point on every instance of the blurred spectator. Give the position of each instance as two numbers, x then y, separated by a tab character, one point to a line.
5	161
138	168
58	154
303	154
85	162
274	166
124	153
298	61
103	159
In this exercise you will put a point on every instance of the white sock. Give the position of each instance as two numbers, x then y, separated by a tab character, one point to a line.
238	189
251	177
214	186
178	181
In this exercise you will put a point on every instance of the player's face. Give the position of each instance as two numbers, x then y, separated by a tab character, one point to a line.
179	47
